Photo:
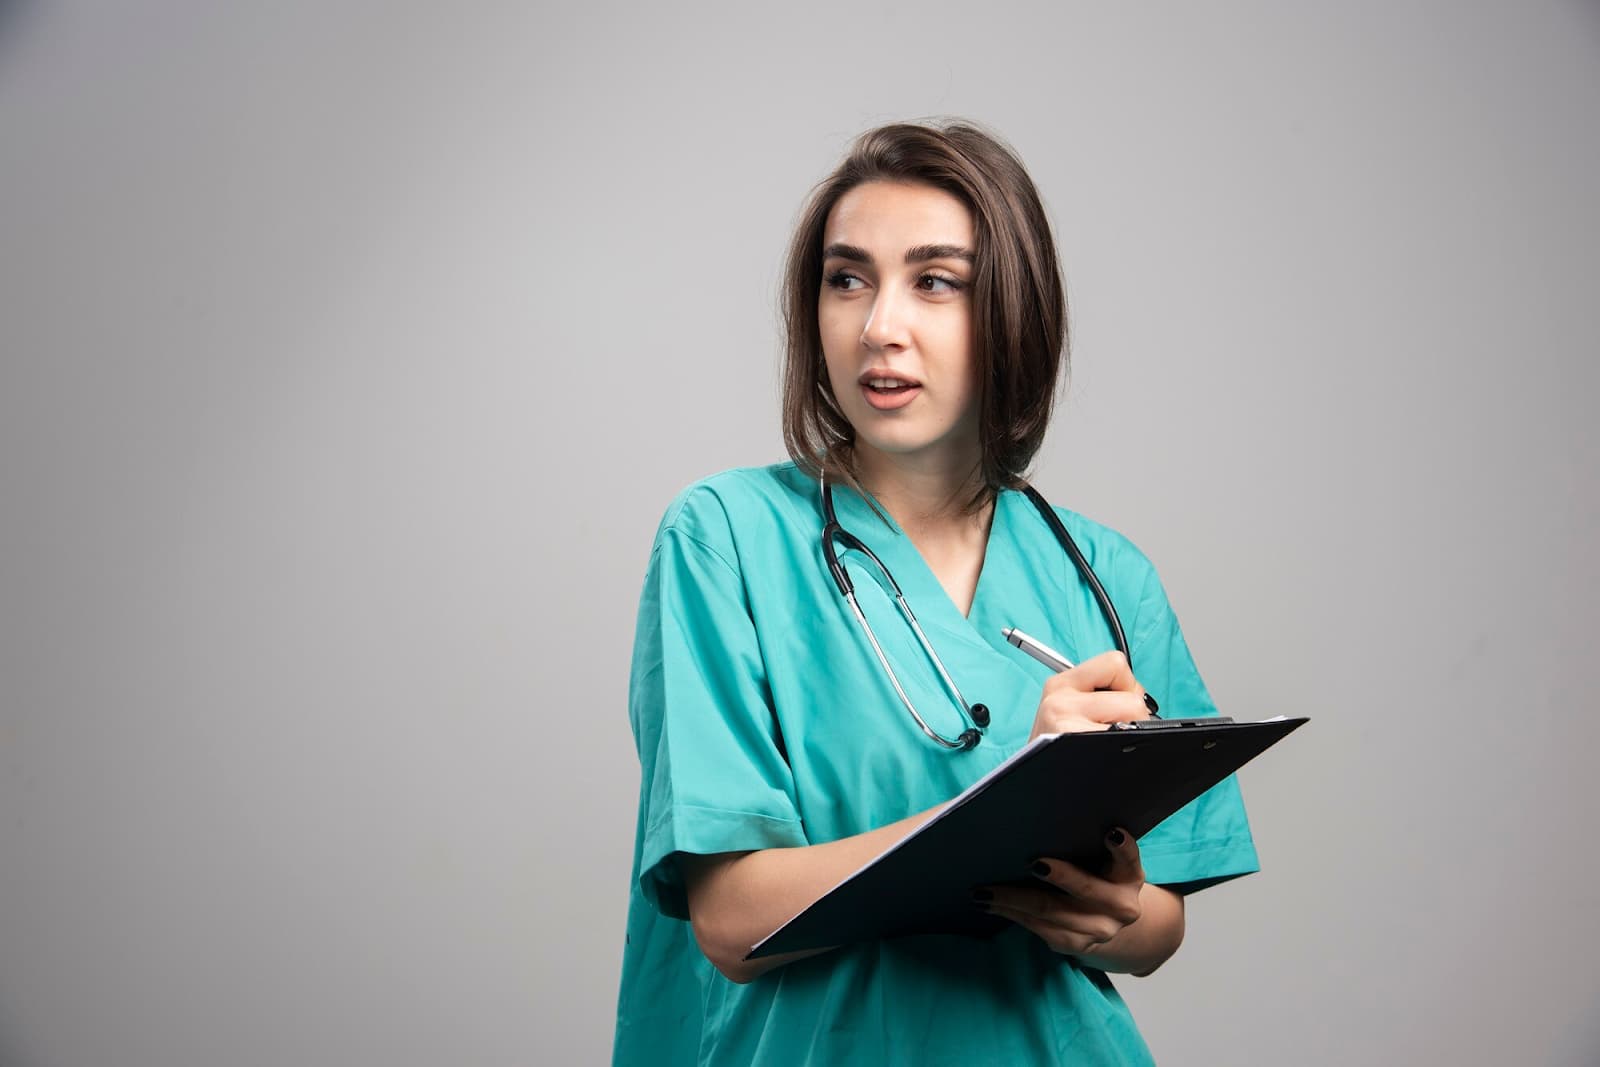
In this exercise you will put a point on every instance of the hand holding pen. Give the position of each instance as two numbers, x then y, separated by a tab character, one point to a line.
1092	695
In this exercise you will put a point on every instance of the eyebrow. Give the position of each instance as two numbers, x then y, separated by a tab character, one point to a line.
919	254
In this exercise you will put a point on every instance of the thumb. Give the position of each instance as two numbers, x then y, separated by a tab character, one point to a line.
1125	863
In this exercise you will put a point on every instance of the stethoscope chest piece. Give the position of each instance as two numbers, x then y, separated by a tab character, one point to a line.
977	715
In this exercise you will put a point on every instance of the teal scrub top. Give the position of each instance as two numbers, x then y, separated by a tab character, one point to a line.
763	719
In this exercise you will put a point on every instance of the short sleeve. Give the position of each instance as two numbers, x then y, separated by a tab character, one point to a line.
1208	840
713	775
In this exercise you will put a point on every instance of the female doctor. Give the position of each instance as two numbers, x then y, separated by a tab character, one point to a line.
926	326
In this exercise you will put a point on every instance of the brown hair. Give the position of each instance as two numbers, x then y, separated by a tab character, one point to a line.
1019	300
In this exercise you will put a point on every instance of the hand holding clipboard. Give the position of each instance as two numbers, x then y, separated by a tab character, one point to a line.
1053	798
1074	910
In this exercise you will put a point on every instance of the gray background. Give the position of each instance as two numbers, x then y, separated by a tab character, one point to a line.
351	354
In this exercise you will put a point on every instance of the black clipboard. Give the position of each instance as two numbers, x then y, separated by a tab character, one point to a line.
1056	797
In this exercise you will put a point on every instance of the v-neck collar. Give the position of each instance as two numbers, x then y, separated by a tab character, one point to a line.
925	594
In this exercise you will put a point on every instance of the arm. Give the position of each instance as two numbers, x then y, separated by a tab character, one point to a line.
738	898
1146	943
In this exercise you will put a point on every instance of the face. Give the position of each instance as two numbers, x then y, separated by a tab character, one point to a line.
896	308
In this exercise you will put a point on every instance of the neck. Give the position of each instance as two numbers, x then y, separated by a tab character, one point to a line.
923	494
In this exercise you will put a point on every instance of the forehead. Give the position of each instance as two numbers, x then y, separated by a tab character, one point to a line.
893	216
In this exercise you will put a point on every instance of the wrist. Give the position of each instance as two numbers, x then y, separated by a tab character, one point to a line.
1145	944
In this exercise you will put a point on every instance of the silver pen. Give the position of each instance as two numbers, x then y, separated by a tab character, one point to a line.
1058	663
1039	651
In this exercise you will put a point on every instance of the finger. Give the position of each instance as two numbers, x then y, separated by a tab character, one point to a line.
1049	906
1108	670
1069	878
1062	712
1059	938
1109	707
1126	867
1075	724
1117	899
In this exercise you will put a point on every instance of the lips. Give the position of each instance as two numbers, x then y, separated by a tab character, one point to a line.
887	390
893	398
881	375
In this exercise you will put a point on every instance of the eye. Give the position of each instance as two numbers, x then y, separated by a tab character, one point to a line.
953	285
837	280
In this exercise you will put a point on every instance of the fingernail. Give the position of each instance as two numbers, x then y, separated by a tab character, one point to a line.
1042	869
1150	702
1115	837
980	896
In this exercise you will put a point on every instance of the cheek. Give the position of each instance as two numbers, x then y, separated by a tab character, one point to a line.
837	328
838	348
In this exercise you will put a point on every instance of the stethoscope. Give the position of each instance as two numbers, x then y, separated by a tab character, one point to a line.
976	714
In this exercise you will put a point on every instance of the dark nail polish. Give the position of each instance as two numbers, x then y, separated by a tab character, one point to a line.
1115	837
1042	869
980	896
1150	702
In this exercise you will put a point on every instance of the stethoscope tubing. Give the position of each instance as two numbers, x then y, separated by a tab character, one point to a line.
977	715
1106	607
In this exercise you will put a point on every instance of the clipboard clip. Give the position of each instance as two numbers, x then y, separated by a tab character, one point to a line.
1170	724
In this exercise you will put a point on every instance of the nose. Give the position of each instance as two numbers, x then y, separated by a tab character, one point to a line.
888	322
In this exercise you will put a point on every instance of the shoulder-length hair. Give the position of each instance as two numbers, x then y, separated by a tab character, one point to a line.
1019	302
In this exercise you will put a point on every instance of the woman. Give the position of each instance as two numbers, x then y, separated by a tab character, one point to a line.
926	327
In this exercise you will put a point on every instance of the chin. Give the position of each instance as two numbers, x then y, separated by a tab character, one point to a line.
895	437
897	445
